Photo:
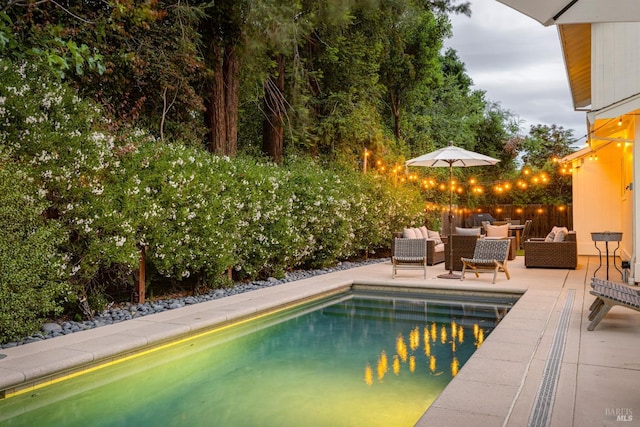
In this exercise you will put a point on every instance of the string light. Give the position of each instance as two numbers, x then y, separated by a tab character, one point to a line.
400	175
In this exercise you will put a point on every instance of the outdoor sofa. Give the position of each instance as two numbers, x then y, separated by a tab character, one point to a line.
541	253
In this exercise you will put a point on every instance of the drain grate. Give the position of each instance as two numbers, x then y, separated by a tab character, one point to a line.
541	412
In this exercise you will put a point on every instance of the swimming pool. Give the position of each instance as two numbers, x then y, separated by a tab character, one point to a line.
360	358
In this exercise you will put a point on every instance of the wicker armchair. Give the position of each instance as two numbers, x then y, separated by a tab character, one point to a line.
409	254
539	253
433	257
463	246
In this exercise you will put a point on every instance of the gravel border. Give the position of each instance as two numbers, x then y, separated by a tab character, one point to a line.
130	311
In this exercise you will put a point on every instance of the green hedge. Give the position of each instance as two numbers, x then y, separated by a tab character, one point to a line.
32	270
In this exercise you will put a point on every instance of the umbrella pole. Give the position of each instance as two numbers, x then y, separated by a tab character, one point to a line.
450	275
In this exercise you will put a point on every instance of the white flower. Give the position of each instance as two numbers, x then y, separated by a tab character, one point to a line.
97	190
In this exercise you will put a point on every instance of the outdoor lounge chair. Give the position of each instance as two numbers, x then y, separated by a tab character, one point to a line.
502	232
409	254
607	295
489	255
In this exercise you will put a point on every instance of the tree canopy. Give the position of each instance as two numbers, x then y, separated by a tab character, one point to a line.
326	79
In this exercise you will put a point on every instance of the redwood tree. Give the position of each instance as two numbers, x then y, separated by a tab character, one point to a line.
222	31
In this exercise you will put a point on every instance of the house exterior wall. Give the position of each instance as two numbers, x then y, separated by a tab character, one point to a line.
635	202
615	87
627	202
597	198
615	53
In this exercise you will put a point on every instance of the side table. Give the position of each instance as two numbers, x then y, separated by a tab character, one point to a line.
606	237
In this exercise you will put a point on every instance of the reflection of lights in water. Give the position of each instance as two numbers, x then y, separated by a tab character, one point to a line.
414	338
432	364
401	348
429	337
455	366
480	338
383	365
368	375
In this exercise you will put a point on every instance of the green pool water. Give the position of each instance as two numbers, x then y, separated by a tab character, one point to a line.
359	359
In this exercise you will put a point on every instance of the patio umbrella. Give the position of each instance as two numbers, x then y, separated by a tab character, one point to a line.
552	12
449	157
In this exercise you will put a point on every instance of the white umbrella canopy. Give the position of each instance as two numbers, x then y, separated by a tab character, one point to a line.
552	12
451	156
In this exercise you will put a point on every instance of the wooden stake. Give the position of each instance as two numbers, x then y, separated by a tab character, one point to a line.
141	277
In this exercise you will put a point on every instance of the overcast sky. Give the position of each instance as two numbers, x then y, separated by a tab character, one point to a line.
518	63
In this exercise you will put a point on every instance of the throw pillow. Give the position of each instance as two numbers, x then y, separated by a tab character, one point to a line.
557	234
498	230
563	229
560	236
408	233
424	232
467	231
434	235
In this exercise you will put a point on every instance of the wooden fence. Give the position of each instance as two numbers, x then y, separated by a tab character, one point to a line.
544	217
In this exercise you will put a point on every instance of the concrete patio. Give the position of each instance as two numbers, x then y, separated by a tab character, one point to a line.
598	371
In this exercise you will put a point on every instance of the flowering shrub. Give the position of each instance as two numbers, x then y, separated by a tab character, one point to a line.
56	139
184	200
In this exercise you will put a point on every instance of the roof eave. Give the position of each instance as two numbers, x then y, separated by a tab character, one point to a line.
575	40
